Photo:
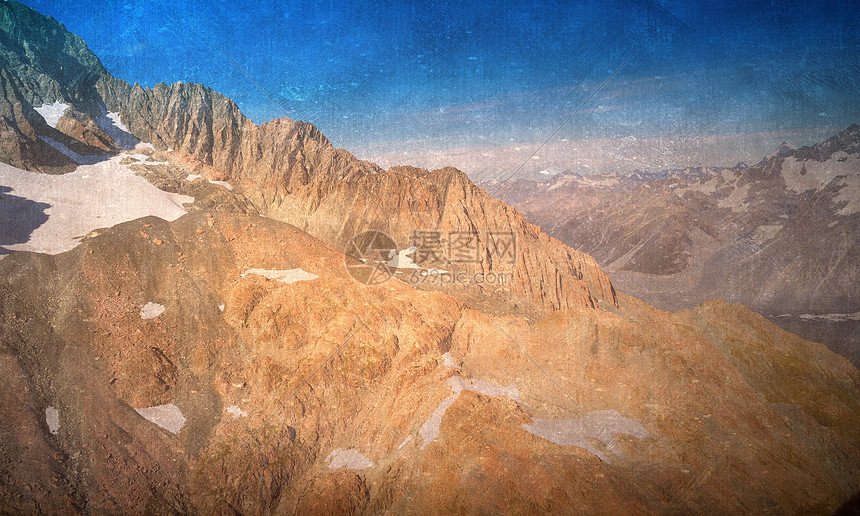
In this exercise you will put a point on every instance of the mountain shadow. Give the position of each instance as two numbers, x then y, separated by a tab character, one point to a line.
19	217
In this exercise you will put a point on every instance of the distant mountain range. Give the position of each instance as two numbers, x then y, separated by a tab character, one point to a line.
780	236
182	329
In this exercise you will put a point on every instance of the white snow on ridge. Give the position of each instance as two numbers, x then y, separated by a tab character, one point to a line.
168	417
52	112
598	424
52	418
801	176
93	196
284	276
349	459
151	310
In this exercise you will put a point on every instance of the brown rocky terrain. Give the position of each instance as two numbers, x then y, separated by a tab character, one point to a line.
228	363
736	414
780	237
291	172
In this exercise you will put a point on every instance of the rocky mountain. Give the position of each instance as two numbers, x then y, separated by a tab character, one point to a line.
227	363
780	236
218	356
287	169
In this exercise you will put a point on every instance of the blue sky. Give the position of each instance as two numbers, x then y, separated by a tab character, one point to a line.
467	83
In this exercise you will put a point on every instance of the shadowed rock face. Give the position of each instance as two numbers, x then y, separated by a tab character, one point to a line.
20	217
41	63
269	378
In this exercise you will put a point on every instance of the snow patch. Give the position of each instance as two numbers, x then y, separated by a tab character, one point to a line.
52	418
430	429
168	417
458	385
52	112
736	200
764	233
828	317
448	360
405	441
193	177
349	459
403	261
225	184
111	124
80	159
236	412
802	176
284	276
151	310
849	194
94	196
705	186
598	424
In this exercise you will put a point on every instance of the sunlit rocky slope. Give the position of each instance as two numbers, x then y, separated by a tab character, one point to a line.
225	361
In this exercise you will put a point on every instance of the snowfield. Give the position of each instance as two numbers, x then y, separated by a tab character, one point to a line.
802	176
94	196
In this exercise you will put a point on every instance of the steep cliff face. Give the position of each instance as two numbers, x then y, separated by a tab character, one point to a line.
60	108
291	172
42	64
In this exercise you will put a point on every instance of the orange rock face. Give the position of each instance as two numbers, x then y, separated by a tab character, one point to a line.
421	403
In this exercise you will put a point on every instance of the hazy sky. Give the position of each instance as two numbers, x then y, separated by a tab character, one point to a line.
469	83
